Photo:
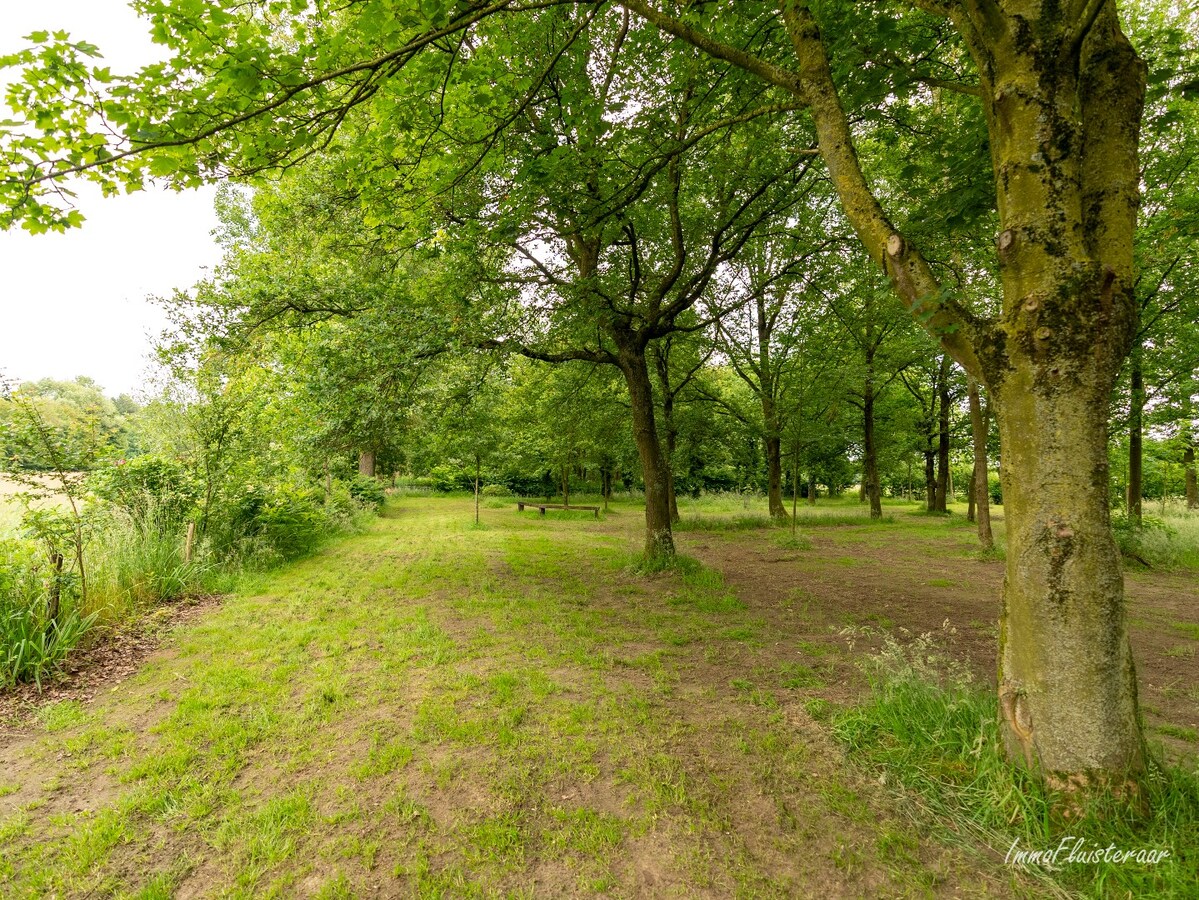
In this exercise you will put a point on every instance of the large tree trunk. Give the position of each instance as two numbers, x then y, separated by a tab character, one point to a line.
1136	432
1067	684
659	540
978	486
942	492
366	463
1063	98
774	476
870	463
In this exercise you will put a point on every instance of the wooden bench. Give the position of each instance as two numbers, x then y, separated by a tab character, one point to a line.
521	504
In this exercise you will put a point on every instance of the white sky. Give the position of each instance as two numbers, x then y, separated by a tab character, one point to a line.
76	303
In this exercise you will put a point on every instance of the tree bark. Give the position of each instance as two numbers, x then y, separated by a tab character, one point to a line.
1063	100
811	487
659	539
366	463
774	476
978	483
970	493
942	489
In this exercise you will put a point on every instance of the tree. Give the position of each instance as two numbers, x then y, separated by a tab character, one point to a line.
776	332
1059	92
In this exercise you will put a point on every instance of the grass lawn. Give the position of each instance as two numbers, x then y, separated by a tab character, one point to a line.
441	709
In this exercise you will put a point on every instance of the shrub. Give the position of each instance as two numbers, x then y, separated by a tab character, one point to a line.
496	490
148	488
291	520
367	491
995	489
446	478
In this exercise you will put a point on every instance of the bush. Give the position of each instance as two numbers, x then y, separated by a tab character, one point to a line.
496	490
367	491
148	488
446	478
995	489
290	519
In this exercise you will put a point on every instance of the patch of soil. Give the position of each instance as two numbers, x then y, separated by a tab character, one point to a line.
113	658
920	586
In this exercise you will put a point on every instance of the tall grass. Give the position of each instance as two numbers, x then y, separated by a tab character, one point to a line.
934	735
1170	541
135	558
136	565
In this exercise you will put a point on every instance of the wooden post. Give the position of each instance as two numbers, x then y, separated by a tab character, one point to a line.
189	544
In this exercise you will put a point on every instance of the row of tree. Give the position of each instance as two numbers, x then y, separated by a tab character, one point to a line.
596	183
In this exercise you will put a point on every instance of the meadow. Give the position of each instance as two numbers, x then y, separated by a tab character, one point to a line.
440	709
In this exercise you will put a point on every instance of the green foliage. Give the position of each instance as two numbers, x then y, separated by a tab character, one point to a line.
32	644
288	519
367	491
496	490
151	489
995	488
1152	542
446	478
137	562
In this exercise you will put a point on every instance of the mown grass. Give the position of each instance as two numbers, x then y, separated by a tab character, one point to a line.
433	709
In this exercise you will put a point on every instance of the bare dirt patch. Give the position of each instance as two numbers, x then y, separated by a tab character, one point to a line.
893	585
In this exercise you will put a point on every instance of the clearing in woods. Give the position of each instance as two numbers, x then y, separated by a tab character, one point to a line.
439	709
